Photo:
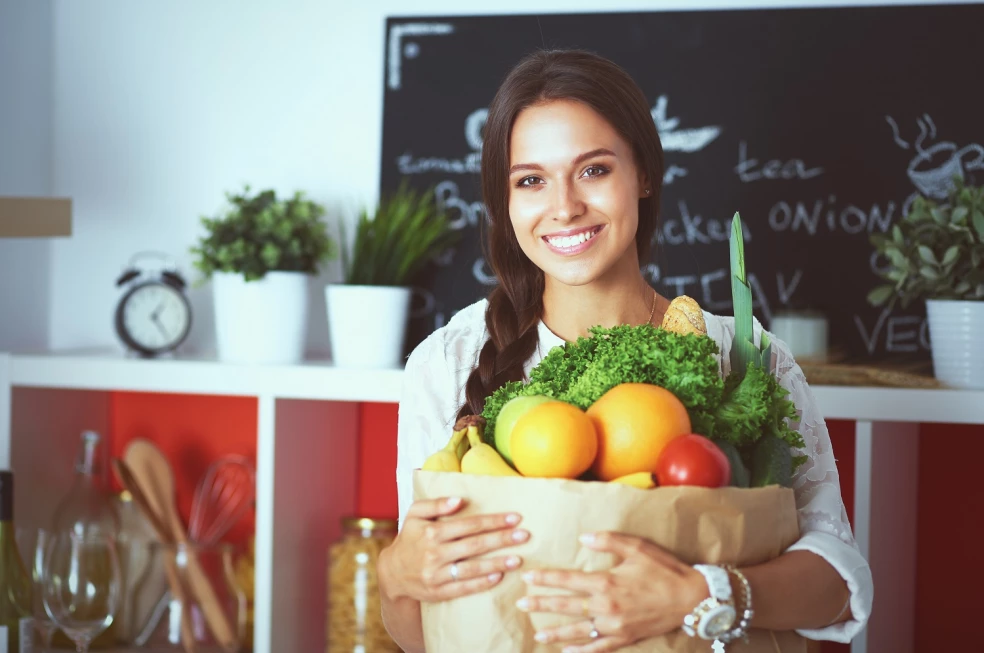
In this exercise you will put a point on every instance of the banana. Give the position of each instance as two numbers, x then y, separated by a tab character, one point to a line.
644	480
448	459
481	458
684	316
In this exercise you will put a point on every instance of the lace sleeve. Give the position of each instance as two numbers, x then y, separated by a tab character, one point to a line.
824	526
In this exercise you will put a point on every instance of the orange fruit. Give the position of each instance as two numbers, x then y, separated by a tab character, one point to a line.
635	421
553	440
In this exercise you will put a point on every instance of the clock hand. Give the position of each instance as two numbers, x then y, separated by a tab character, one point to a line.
160	326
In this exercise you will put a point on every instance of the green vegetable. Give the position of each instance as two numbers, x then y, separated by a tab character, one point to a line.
739	472
772	463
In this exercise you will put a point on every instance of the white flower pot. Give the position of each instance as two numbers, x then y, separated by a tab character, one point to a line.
367	325
956	333
261	321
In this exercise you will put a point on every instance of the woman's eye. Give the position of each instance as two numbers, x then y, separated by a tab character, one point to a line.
595	171
529	181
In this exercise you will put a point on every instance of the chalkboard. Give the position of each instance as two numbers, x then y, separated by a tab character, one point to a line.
819	125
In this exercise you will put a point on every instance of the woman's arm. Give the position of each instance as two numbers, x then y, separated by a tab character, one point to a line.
401	614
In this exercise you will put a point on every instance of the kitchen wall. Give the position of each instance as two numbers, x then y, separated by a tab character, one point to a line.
155	108
25	167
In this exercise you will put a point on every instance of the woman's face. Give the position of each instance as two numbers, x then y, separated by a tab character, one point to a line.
574	191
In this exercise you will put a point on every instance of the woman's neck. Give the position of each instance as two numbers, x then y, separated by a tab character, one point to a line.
569	311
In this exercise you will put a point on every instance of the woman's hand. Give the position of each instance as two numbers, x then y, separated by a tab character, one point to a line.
433	560
647	594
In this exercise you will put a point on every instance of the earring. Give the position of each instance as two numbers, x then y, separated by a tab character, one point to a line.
648	191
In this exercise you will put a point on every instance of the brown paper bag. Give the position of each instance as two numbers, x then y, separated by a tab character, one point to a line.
740	526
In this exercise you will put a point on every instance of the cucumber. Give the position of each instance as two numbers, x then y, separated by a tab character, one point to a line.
739	472
772	463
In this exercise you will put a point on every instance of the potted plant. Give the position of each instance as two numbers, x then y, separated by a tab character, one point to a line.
260	253
368	311
936	253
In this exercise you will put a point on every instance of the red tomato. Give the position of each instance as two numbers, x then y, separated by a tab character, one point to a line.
693	460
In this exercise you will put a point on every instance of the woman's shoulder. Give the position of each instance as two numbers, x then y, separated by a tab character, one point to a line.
457	343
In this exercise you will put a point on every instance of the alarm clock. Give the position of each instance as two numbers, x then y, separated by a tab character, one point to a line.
153	316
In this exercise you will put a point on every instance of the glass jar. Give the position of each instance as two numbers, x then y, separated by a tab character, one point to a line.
355	623
210	570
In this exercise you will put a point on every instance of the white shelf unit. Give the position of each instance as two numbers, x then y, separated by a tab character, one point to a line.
307	438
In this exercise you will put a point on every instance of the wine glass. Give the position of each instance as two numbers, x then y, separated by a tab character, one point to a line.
32	543
81	584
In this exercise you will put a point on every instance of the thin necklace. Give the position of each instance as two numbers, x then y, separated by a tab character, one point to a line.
653	311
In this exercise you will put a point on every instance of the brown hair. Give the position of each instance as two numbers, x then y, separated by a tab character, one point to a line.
515	305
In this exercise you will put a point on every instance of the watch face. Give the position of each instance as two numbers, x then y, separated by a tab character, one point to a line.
718	621
153	317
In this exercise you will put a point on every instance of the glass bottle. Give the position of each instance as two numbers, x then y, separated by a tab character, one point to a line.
355	622
88	506
16	624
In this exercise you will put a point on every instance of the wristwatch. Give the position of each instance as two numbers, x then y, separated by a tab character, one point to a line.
715	616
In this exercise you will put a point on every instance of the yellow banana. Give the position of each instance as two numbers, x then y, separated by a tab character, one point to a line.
684	316
448	459
481	458
644	480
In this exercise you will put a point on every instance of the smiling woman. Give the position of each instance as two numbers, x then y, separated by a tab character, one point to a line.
572	167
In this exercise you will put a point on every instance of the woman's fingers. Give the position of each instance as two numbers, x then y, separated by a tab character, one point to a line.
578	581
476	545
454	529
434	508
457	572
463	587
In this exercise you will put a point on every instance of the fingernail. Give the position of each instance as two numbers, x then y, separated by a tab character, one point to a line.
512	519
541	637
453	502
494	578
523	604
569	649
512	562
587	538
520	536
528	577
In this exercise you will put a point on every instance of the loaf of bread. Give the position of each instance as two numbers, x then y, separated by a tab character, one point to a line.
684	316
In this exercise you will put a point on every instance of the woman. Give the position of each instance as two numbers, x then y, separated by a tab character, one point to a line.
572	167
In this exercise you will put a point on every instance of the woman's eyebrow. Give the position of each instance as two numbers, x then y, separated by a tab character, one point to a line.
601	151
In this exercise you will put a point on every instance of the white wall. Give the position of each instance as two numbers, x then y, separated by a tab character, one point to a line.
161	106
25	167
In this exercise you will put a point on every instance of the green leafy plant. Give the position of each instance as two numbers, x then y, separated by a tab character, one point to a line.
936	251
261	233
393	243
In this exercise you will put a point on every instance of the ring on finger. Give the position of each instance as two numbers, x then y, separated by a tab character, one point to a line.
594	634
454	571
584	607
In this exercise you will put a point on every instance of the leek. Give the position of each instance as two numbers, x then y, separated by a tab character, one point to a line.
743	349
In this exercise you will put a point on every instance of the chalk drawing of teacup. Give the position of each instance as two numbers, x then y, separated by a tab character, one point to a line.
933	169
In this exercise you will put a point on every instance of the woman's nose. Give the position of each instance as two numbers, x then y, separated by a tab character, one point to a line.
567	202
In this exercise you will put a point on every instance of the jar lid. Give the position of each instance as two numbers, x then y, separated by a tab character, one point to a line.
365	523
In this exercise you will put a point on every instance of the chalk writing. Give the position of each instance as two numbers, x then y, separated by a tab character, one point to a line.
902	333
713	288
682	140
803	216
397	52
693	229
933	169
462	213
774	169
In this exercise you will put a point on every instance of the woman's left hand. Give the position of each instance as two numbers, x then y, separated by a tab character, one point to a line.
647	594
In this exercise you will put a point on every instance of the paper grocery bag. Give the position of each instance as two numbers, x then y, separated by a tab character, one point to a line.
740	526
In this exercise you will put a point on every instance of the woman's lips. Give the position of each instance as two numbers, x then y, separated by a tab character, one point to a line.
571	245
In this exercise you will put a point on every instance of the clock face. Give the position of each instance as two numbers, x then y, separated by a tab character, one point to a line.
154	317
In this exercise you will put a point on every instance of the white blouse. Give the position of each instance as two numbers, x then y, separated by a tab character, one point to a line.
433	391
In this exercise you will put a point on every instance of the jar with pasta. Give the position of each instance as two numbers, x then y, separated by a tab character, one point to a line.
355	622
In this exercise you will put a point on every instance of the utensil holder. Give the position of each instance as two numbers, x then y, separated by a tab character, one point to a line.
216	565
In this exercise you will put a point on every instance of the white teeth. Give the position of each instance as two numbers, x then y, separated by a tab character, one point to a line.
571	241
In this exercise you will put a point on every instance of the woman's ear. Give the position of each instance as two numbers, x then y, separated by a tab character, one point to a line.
645	189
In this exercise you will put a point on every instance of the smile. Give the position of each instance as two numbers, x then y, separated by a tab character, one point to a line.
573	244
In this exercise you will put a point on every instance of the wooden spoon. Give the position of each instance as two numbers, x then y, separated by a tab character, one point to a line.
153	472
125	476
